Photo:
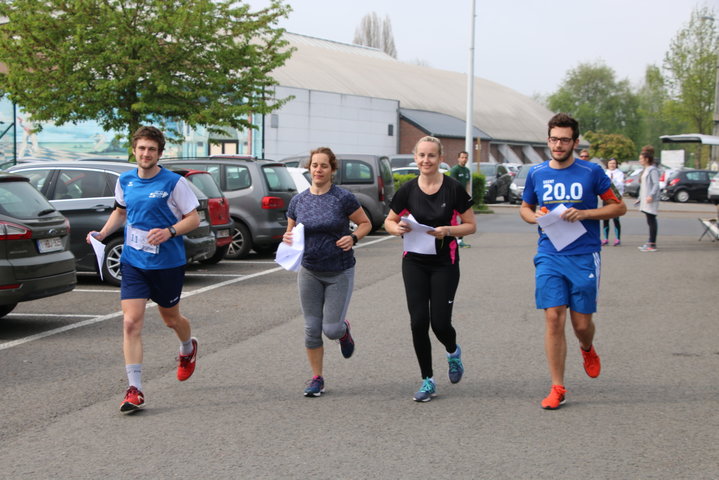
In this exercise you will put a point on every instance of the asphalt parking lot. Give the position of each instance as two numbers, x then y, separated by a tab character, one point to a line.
651	414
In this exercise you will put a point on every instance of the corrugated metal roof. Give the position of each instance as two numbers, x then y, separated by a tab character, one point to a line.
500	112
440	124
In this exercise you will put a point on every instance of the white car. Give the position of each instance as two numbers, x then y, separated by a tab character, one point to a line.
713	190
301	177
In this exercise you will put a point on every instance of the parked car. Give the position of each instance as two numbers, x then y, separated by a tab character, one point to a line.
685	185
218	207
259	192
400	160
85	193
35	257
631	183
301	177
713	190
516	188
497	180
406	171
368	177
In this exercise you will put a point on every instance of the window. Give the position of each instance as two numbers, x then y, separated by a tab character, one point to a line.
81	184
238	177
278	178
355	171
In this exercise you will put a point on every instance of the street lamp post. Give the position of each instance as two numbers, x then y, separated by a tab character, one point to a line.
715	130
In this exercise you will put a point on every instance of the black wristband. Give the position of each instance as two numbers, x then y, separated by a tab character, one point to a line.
172	230
354	239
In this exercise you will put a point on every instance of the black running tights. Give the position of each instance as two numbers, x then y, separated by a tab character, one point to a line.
430	293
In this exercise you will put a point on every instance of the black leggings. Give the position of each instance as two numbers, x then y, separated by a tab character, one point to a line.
430	290
617	228
652	222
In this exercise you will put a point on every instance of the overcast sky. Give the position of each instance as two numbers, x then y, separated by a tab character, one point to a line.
526	45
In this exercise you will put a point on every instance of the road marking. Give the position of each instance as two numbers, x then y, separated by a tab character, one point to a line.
50	315
109	316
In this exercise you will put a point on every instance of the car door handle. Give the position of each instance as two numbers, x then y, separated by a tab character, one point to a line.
100	207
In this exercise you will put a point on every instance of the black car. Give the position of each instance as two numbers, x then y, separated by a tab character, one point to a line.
497	178
685	185
35	260
84	193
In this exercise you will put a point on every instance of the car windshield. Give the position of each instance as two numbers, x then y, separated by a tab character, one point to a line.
523	171
278	178
19	199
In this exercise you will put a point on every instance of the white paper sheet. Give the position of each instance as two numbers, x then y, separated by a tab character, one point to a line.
289	257
560	232
99	249
418	240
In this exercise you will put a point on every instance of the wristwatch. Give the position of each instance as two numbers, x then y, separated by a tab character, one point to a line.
172	230
354	239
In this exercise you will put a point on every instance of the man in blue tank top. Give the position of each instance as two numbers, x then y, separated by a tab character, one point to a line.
568	277
156	207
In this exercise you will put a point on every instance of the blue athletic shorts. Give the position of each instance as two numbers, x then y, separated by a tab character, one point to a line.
161	286
571	280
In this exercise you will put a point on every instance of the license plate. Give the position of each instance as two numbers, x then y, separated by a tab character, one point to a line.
223	233
52	244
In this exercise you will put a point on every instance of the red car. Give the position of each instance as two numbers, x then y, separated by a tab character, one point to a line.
218	207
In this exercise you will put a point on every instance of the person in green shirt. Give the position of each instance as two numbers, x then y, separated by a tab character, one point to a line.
462	174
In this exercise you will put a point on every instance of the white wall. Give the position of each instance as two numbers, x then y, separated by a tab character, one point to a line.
345	123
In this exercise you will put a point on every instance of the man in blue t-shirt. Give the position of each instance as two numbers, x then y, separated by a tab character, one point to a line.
156	207
568	276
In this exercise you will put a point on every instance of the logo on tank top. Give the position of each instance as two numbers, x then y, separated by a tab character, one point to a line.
158	194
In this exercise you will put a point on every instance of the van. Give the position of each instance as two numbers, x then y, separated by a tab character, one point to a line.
368	177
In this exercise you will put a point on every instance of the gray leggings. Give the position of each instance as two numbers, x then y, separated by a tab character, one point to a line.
325	297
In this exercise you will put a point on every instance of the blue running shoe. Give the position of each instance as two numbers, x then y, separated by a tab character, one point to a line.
347	343
456	369
426	391
315	387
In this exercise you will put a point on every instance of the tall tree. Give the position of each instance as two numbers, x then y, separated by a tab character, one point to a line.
654	109
592	95
377	33
128	62
690	70
610	145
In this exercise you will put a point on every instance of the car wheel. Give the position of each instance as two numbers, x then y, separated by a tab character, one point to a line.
353	225
241	242
265	249
111	264
5	309
682	196
217	256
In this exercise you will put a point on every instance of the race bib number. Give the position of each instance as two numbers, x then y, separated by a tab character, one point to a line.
137	239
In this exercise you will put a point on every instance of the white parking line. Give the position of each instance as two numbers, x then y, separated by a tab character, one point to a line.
102	318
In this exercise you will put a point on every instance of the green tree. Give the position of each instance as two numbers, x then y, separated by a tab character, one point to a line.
610	145
690	71
124	63
592	95
654	110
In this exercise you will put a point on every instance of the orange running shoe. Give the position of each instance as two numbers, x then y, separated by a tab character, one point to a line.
592	365
186	363
555	399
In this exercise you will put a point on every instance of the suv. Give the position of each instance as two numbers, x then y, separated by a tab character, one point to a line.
218	207
34	239
685	185
259	192
85	193
368	177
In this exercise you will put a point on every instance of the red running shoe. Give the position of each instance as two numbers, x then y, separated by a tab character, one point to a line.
592	365
555	399
186	363
134	401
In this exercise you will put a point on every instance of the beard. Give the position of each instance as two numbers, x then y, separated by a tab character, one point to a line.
563	157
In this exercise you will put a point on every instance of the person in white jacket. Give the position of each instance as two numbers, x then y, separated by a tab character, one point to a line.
649	196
